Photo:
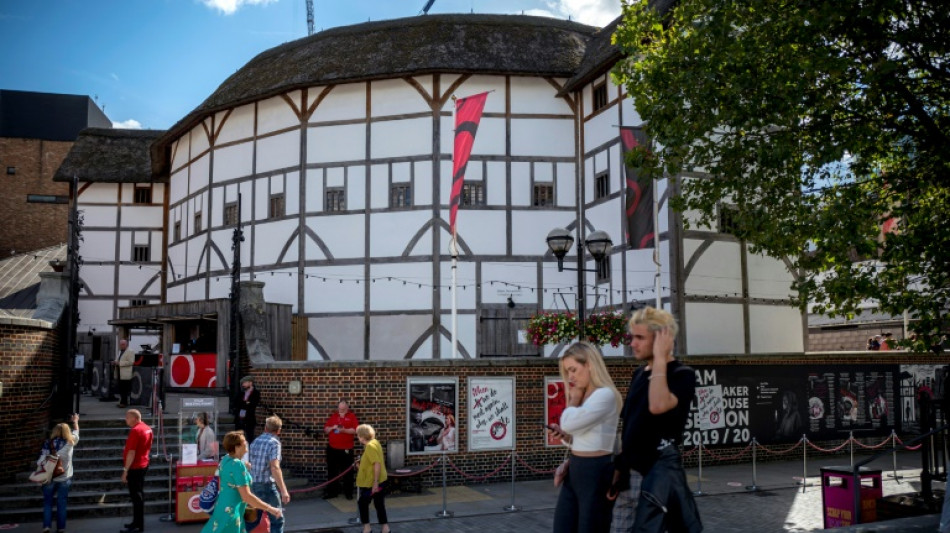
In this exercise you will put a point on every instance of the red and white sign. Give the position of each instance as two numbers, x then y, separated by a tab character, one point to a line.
195	370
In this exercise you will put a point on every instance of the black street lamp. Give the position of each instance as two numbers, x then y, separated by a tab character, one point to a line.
598	243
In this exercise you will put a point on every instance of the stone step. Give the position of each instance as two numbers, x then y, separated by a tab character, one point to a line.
34	513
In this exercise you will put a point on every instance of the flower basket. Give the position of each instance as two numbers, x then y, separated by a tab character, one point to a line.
607	328
552	328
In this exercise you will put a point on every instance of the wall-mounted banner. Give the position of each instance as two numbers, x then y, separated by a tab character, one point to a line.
555	400
491	413
709	404
779	404
926	379
432	407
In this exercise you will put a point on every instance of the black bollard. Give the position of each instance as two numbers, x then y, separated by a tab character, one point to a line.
926	425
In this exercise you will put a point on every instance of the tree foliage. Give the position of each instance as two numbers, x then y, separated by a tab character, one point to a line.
820	120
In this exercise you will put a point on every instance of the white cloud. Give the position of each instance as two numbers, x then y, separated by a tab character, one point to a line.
130	124
593	12
228	7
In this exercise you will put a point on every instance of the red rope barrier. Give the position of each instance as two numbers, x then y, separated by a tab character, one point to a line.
415	473
684	455
783	452
832	450
869	447
728	457
532	469
911	448
478	478
324	484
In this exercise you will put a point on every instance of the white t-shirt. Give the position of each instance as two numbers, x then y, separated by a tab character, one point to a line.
593	424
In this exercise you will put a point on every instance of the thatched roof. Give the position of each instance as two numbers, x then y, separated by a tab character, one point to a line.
110	156
475	44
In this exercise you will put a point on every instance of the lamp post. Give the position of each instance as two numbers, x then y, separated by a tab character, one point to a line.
598	244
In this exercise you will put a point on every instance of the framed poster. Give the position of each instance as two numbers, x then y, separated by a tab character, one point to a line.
555	400
491	413
432	407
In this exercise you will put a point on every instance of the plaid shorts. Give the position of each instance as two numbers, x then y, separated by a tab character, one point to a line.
625	508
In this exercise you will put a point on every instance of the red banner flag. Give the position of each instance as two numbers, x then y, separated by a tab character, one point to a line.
468	113
639	205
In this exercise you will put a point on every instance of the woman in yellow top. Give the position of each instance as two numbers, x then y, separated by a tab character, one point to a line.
371	478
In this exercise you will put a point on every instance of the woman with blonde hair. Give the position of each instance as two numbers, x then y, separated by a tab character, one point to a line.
589	427
61	442
371	478
234	494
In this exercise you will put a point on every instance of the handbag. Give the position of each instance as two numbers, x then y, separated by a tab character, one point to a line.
560	473
256	521
209	494
50	468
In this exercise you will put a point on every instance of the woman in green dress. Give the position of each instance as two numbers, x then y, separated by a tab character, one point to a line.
235	492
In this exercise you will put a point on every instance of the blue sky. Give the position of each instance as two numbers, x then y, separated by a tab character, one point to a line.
148	63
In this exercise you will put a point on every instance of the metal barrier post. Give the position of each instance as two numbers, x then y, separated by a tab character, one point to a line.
804	463
896	477
754	486
512	508
444	513
699	480
851	445
170	517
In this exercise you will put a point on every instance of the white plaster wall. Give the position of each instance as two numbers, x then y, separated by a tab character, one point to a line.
331	295
542	137
343	142
233	162
529	230
132	280
391	233
292	194
343	235
489	139
280	286
775	329
392	295
534	95
278	151
717	272
768	278
192	253
199	139
422	183
275	114
607	216
466	295
220	287
401	137
95	314
392	336
601	128
98	279
483	231
175	294
142	216
98	246
566	189
239	125
521	193
99	216
466	337
494	291
270	239
396	97
341	337
198	177
378	183
496	183
222	239
629	113
178	182
181	151
343	102
99	193
714	328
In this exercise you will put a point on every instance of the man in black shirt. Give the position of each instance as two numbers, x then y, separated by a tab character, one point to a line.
654	417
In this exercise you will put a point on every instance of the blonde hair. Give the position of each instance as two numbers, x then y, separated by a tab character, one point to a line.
654	320
587	354
365	431
273	424
61	431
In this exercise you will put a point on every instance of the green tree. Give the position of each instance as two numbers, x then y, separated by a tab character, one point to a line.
820	121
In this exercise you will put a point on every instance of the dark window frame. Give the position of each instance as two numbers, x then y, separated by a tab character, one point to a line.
138	302
198	223
229	217
276	206
603	270
727	219
176	232
536	197
601	185
142	195
599	96
473	193
400	195
334	199
141	253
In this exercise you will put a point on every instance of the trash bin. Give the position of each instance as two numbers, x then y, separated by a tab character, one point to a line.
837	495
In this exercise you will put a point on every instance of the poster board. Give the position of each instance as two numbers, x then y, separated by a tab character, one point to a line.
491	413
431	414
555	400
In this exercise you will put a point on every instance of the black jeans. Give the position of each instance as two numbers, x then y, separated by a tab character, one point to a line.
666	502
337	462
125	388
378	502
582	504
136	481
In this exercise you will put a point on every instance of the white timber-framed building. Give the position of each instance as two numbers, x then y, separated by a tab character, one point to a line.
339	146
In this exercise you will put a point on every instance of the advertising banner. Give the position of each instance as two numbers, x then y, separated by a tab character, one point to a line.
432	407
491	415
555	400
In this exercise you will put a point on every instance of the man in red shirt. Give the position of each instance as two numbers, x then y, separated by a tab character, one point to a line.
340	429
134	466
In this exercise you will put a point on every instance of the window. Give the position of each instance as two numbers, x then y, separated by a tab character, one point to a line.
141	253
728	219
600	96
602	185
401	195
473	193
198	222
177	234
231	214
138	302
11	171
143	195
603	270
336	199
543	194
276	209
46	199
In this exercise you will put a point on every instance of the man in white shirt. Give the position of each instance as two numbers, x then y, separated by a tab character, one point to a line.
124	363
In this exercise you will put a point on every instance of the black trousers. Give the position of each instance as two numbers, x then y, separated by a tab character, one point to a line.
379	501
582	504
337	462
136	482
125	389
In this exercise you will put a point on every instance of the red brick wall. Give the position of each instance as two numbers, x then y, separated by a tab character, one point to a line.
29	358
377	394
28	227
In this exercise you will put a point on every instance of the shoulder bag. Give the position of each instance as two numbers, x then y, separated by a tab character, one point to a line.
50	468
